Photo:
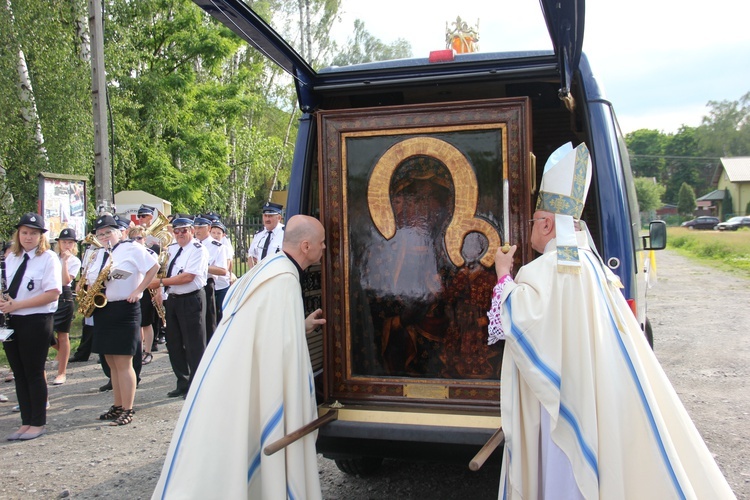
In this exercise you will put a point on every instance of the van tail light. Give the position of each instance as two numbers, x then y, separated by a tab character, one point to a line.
633	307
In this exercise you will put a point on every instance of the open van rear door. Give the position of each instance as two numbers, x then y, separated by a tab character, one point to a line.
564	18
565	21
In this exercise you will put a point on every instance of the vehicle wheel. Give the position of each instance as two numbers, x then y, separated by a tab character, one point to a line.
359	466
649	332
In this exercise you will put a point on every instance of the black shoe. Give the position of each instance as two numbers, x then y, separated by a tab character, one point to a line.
75	359
161	340
106	387
176	393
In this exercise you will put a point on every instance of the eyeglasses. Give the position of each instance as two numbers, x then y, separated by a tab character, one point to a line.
183	230
143	216
138	238
531	221
104	235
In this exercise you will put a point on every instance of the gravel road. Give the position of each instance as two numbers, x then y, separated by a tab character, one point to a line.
701	318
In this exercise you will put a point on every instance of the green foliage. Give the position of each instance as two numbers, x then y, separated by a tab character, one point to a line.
727	207
727	249
726	129
363	47
646	149
44	32
686	199
649	194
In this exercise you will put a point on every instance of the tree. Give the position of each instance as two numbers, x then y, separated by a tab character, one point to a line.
364	47
686	199
727	207
649	194
726	129
646	150
685	162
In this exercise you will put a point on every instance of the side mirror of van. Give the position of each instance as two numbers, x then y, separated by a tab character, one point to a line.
657	236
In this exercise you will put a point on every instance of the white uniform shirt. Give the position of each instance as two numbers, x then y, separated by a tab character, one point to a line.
125	256
194	260
74	265
217	256
259	241
43	273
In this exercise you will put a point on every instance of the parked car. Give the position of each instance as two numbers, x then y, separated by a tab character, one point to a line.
733	224
702	222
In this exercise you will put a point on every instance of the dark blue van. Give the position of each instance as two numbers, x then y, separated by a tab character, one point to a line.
418	169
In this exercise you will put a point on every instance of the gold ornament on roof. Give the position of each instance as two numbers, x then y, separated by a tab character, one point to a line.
462	38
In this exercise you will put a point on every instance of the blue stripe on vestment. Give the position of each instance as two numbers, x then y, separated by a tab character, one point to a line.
639	387
554	378
221	334
265	433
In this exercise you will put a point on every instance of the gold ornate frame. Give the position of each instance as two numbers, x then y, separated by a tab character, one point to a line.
421	128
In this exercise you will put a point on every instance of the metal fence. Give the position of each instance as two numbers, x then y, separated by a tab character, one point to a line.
240	232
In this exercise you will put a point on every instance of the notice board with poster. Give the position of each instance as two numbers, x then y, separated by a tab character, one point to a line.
412	198
62	203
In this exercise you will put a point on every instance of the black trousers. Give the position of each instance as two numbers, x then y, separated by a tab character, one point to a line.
186	335
27	353
220	295
84	348
210	309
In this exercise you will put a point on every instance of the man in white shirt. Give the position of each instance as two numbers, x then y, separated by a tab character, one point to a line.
217	266
187	273
268	240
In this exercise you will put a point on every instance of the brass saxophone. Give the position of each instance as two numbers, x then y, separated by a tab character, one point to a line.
94	296
158	229
81	285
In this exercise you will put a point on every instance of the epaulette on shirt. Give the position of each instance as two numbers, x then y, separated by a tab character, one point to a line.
217	243
197	244
151	251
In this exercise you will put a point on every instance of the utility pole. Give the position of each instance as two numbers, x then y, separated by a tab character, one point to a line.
102	171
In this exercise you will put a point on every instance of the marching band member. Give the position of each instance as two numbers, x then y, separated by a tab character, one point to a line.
124	269
218	232
268	240
31	299
187	273
67	250
217	266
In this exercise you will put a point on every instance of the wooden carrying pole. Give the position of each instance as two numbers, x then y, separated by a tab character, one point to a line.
301	432
481	457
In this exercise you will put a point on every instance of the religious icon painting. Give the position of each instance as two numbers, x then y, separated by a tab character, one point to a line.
419	194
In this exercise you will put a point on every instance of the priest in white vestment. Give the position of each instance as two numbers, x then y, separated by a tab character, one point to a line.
587	410
253	386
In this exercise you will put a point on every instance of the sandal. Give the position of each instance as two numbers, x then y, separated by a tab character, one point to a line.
147	358
125	418
113	413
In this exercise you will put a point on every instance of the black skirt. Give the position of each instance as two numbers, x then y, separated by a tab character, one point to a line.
117	328
66	309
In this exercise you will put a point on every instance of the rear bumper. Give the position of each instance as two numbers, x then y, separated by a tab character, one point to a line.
395	434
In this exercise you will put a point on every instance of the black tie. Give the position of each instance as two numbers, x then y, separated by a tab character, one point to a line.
265	246
171	264
104	260
16	283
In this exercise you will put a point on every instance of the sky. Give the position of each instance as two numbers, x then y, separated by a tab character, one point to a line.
660	62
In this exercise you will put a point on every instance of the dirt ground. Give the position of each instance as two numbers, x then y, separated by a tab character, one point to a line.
701	320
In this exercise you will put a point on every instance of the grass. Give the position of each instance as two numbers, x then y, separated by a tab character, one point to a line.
729	250
75	339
